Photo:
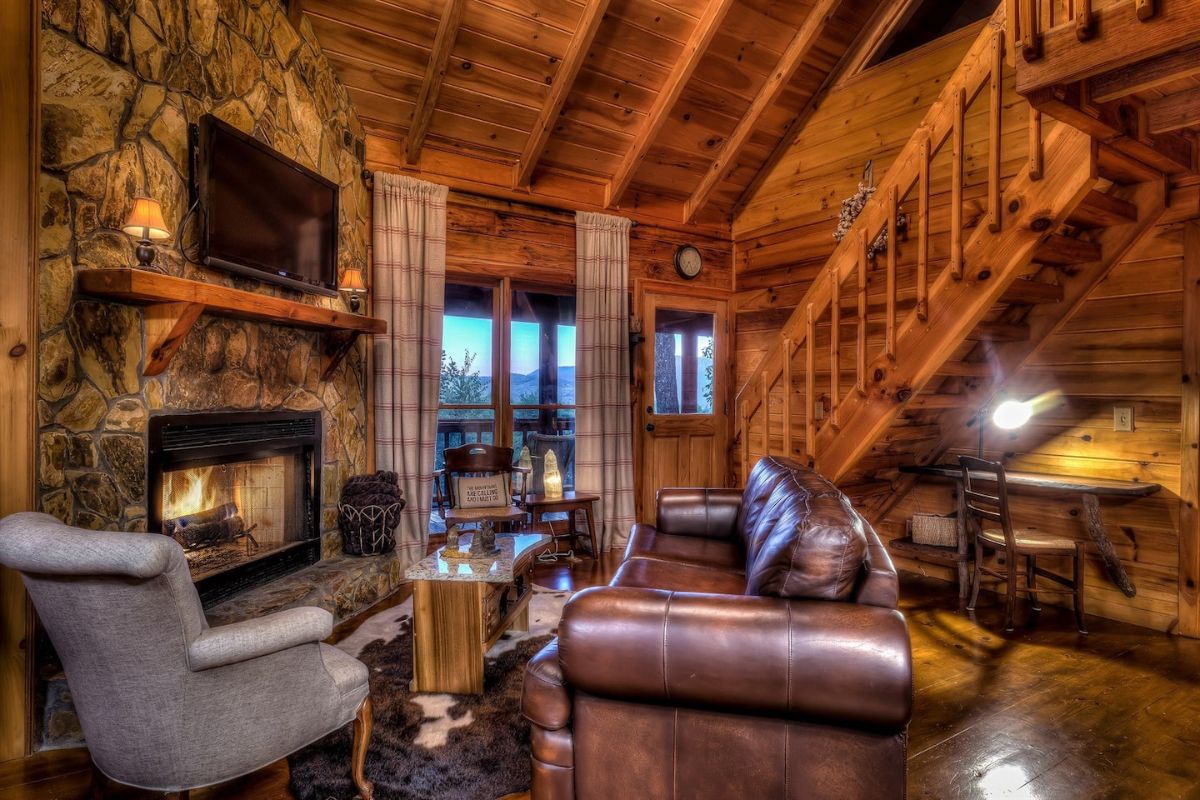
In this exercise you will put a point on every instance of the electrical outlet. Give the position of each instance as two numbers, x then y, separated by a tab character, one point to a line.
1123	418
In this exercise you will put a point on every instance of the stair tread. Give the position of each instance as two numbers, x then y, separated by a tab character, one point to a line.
1100	210
999	332
965	369
1059	250
1025	291
932	402
1121	169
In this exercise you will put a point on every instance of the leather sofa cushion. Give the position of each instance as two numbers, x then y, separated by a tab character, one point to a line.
808	542
766	475
675	576
646	542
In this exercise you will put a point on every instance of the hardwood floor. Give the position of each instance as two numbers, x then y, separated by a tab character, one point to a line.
1041	713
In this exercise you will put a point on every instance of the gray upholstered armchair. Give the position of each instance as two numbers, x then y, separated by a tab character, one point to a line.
166	702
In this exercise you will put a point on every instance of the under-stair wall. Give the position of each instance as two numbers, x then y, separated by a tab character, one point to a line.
784	235
1123	346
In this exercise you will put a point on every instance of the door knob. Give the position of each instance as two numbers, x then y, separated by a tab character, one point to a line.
649	426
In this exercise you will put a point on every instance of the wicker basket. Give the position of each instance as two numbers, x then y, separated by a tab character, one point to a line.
934	529
369	530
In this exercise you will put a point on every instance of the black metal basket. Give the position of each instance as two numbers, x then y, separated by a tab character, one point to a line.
369	530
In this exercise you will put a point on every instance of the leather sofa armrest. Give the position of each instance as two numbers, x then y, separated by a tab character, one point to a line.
709	513
261	636
880	584
801	659
546	701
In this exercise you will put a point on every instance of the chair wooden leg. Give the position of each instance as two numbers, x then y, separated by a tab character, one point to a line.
1010	593
1079	555
978	578
1031	579
363	723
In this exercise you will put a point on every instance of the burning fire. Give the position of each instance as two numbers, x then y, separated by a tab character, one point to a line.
192	491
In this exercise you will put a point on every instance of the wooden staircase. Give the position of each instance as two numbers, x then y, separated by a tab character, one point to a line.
887	359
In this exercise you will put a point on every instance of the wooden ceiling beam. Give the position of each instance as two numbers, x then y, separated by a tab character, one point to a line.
800	46
560	87
1149	74
1173	112
431	85
697	45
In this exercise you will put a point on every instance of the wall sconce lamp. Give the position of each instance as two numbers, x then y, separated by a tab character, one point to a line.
145	223
354	286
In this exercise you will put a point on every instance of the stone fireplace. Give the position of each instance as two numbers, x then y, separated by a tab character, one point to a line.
240	492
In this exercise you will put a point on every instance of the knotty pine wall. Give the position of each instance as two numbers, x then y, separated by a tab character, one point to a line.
1122	346
498	238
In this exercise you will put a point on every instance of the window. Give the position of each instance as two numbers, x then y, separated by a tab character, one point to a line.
542	380
467	394
535	406
683	362
928	20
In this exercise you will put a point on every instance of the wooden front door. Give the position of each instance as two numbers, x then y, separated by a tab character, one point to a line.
683	413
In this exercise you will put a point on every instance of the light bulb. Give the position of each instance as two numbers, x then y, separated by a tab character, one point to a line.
1012	414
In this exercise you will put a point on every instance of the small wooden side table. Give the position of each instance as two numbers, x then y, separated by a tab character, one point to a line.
571	501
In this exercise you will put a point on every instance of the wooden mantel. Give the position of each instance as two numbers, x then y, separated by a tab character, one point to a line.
174	304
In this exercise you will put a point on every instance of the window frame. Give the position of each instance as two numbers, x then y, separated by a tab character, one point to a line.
501	404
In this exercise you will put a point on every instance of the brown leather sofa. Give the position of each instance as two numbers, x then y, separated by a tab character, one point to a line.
747	647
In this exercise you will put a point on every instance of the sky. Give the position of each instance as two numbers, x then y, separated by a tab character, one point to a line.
475	334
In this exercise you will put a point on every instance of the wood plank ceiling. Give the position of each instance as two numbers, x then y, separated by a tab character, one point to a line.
663	108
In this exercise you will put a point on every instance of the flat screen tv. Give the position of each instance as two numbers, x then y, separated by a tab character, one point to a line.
262	214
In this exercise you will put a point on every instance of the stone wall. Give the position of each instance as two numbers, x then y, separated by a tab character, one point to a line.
121	81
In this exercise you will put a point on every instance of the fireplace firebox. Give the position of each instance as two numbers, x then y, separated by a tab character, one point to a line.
240	491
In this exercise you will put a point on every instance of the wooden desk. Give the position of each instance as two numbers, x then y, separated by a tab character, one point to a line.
570	502
1090	489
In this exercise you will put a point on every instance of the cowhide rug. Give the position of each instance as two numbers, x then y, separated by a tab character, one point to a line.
433	746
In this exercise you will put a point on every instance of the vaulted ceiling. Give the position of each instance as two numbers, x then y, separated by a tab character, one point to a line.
667	108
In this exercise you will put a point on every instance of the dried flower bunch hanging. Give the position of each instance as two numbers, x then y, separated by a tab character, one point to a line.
852	206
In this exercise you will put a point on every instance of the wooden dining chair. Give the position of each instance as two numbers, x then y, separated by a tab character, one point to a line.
994	531
474	461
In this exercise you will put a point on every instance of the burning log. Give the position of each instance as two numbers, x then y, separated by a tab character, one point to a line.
214	514
209	527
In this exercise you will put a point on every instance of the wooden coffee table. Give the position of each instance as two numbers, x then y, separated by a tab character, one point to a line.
570	502
462	606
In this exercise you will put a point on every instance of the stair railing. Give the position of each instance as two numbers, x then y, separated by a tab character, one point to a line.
982	68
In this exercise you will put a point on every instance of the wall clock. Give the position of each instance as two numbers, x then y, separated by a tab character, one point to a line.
688	261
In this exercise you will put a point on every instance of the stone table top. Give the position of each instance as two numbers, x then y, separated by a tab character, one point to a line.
489	569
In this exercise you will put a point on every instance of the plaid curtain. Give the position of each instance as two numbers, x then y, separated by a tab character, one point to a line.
604	428
410	283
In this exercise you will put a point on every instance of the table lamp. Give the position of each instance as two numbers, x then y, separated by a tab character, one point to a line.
551	477
353	285
145	222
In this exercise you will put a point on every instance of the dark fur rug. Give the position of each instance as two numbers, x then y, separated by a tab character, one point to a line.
433	746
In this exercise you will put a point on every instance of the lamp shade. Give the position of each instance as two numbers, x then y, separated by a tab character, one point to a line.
146	220
352	280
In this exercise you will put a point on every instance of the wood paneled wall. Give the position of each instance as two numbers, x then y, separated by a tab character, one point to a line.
498	238
19	138
1123	347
